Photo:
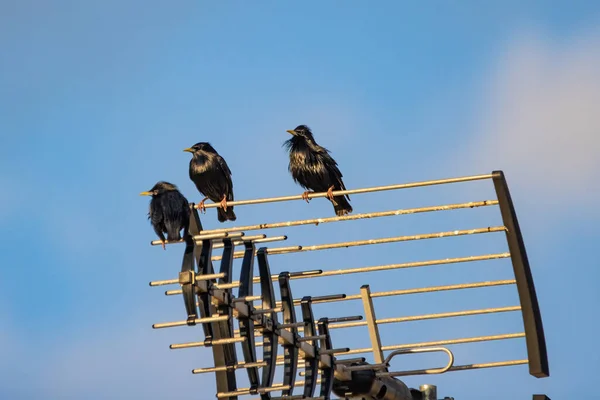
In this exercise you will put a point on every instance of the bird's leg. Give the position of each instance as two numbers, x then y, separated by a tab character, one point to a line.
201	206
330	193
305	196
224	202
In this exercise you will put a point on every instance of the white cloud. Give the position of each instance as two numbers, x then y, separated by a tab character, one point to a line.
540	119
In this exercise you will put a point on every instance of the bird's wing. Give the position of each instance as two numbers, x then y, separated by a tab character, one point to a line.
223	165
330	163
335	175
224	168
156	217
156	213
176	211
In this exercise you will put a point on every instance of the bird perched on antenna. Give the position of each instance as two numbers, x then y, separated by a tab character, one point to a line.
212	177
169	211
314	169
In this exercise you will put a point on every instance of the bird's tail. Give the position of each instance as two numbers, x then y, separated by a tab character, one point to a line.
228	215
173	232
341	206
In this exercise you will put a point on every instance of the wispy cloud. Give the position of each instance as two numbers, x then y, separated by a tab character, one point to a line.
540	119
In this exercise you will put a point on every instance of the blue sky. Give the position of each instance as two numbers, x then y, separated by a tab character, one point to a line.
98	99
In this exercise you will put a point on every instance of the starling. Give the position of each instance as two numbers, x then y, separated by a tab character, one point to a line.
212	177
314	169
169	211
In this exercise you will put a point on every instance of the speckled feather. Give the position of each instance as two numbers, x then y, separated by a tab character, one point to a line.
314	169
212	177
169	211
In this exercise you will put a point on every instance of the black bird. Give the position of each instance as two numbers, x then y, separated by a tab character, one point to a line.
314	169
169	211
212	177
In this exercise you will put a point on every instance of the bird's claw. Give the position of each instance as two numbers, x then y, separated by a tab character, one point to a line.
163	244
305	196
330	193
201	206
224	203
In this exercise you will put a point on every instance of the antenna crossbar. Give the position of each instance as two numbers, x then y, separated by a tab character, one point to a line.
354	217
354	243
352	191
415	264
434	343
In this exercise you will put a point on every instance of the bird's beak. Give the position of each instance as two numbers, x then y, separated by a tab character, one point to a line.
189	150
146	194
291	132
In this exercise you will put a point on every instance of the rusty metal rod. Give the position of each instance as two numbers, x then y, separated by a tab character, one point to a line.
317	221
310	338
222	341
315	299
412	372
218	245
280	386
354	243
347	361
259	311
427	344
348	271
275	250
428	316
342	361
413	291
204	277
335	351
353	191
295	397
239	242
473	366
210	236
207	344
415	264
443	342
488	365
291	325
237	366
243	392
415	318
262	238
465	367
247	298
197	321
429	289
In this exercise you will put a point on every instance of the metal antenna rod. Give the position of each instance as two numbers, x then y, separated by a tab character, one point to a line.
422	317
434	343
209	295
353	191
429	289
254	238
359	270
198	238
354	243
353	217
